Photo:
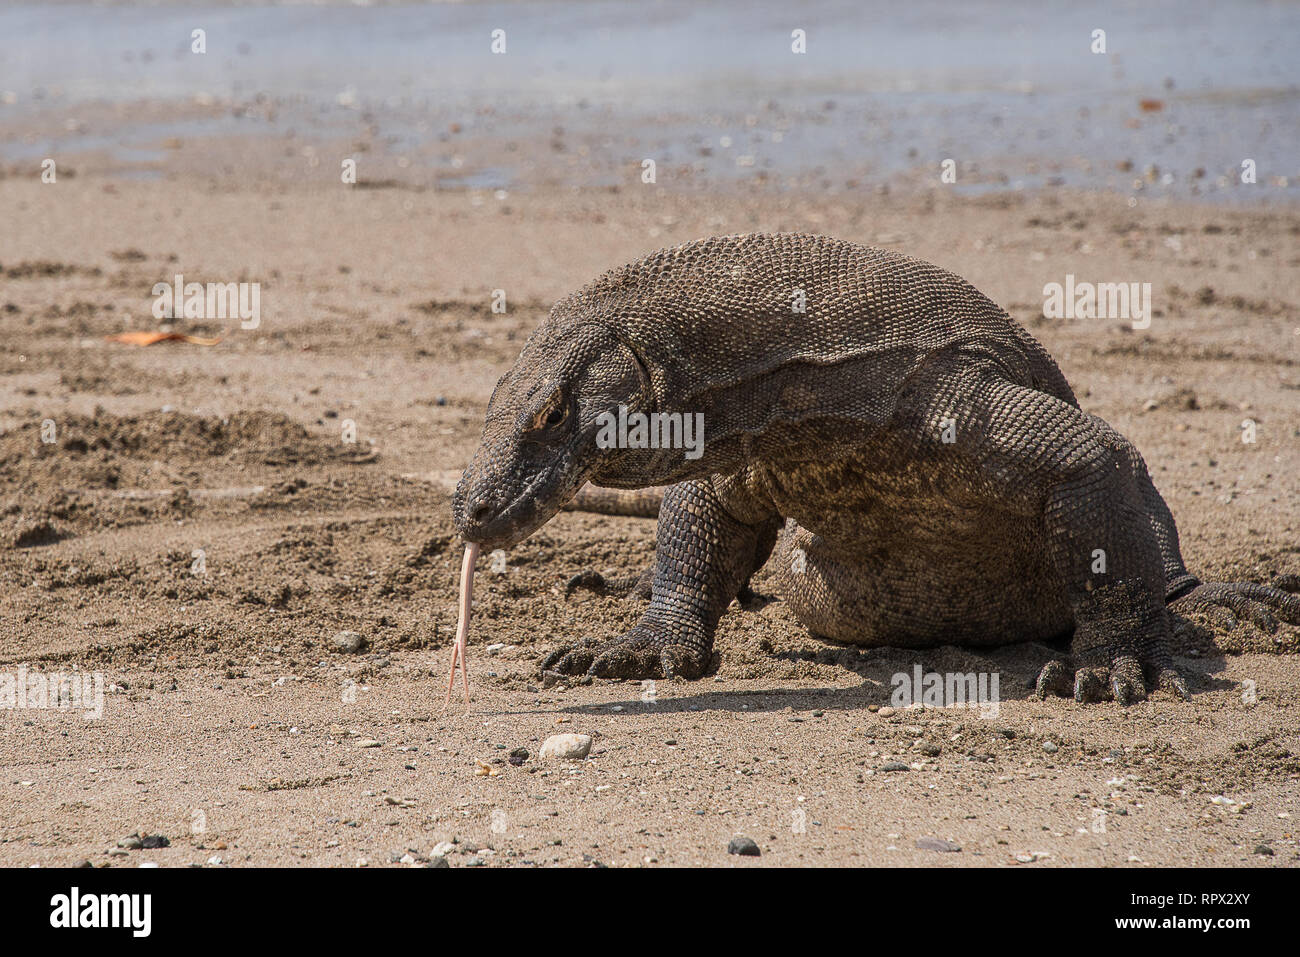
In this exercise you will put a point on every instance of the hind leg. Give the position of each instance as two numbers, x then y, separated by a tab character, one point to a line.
832	599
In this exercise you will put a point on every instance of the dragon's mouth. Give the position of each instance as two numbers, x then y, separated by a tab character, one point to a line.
534	505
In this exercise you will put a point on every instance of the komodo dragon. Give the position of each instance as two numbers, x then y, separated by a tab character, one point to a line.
917	458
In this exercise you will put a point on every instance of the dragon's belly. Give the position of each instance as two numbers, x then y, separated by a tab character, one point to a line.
924	553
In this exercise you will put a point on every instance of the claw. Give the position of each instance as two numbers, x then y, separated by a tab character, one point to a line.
641	653
571	659
1172	681
1054	679
1125	691
1090	685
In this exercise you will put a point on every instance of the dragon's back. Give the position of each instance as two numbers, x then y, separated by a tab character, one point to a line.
713	314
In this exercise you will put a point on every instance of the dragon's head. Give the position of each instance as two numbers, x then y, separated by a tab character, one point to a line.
539	439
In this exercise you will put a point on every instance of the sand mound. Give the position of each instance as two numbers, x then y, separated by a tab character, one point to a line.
80	472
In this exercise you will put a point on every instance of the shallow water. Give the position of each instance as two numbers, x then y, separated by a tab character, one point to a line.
884	94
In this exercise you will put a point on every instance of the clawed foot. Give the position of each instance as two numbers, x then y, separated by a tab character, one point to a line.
644	652
1228	602
1124	682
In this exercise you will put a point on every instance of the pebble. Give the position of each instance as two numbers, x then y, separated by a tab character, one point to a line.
437	861
349	642
886	712
1265	850
937	844
132	843
215	861
1050	747
566	747
442	849
518	756
152	841
744	846
368	743
895	766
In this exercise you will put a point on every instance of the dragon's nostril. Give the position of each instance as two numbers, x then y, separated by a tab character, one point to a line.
481	514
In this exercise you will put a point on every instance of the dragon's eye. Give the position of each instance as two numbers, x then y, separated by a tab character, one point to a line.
552	414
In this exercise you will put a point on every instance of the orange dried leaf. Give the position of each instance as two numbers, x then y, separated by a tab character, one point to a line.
144	337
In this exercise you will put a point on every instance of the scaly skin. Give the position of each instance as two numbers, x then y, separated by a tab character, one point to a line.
932	476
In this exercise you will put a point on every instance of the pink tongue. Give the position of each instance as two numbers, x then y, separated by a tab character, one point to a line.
462	625
466	595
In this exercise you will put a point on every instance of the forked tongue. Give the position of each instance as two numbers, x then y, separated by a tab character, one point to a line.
462	623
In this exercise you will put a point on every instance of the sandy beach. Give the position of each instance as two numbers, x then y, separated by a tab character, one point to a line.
197	524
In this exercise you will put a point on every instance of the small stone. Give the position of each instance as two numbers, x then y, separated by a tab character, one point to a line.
83	863
1264	849
442	849
152	841
132	843
1050	747
518	756
744	846
886	712
929	749
406	859
895	766
215	861
937	844
349	642
437	861
566	747
368	743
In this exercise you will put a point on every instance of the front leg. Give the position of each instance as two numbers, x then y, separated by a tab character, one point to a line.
704	556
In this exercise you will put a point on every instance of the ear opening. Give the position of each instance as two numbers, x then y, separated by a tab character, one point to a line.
643	371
